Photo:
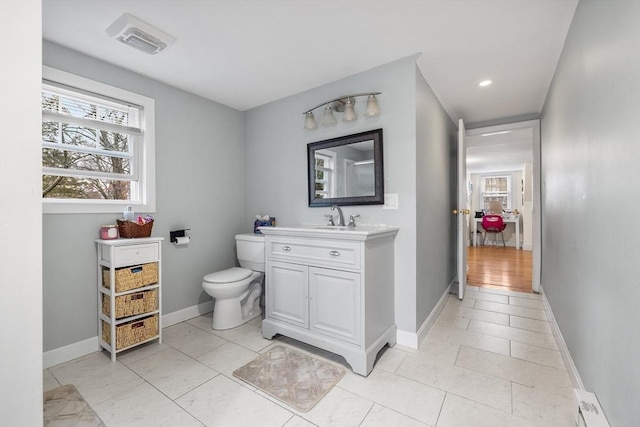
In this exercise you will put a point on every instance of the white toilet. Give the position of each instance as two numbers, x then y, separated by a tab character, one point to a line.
237	290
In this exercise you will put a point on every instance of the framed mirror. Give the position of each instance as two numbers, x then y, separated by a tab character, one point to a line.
347	170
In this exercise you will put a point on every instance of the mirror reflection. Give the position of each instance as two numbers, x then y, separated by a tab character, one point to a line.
346	170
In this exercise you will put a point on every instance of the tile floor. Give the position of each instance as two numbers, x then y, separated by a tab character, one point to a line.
489	360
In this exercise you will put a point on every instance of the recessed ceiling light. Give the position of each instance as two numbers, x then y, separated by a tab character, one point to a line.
485	83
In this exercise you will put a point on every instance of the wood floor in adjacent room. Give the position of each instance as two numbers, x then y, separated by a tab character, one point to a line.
500	268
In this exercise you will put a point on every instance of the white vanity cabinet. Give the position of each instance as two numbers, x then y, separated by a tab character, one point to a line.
129	315
333	289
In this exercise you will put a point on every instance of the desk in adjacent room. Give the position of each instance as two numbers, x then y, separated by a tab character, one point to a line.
512	220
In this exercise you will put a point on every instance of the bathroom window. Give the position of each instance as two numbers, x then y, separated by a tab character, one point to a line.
325	176
97	146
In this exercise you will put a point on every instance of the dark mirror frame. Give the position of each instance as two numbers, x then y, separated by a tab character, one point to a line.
377	198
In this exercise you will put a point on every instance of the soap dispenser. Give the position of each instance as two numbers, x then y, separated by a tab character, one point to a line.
128	214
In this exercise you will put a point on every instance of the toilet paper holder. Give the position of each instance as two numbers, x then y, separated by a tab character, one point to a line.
173	235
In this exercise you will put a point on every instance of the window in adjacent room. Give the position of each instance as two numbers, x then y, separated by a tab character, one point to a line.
496	191
325	176
98	146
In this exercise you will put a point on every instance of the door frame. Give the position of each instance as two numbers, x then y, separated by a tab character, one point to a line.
536	189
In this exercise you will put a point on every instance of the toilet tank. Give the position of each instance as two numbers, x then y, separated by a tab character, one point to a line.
250	248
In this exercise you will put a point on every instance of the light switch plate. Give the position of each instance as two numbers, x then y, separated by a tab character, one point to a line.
390	201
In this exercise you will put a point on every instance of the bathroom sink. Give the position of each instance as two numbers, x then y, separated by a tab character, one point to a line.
359	232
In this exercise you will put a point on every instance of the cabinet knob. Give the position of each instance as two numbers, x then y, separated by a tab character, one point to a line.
286	248
334	253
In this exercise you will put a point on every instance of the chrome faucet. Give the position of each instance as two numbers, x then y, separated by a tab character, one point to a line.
340	215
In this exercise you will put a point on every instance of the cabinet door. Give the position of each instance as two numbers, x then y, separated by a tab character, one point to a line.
335	303
287	292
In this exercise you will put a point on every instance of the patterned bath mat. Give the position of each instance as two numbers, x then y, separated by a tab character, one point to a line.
295	378
64	407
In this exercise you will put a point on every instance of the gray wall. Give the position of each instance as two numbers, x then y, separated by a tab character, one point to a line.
436	151
199	181
276	168
591	198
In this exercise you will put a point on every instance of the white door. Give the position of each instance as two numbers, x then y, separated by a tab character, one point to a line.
462	210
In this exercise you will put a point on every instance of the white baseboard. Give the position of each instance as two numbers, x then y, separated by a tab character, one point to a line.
69	352
176	317
91	345
562	345
527	246
413	339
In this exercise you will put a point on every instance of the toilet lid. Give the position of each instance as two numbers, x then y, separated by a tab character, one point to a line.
232	274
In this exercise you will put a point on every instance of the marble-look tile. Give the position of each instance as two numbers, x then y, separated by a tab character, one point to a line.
460	412
408	397
199	344
339	408
540	355
143	406
468	338
473	314
452	321
544	378
491	391
526	302
223	402
470	289
515	310
203	322
379	416
297	421
543	409
468	300
49	382
245	335
389	359
227	358
140	352
511	293
172	372
485	296
96	377
514	334
541	326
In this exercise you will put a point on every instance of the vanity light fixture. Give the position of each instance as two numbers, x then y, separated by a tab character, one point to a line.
344	104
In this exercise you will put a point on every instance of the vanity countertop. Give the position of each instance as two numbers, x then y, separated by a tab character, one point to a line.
359	232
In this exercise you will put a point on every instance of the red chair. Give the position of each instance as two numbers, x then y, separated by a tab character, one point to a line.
493	224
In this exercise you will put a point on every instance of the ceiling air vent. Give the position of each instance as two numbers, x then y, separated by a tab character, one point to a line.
139	35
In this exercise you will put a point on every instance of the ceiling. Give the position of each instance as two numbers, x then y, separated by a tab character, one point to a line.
247	53
500	151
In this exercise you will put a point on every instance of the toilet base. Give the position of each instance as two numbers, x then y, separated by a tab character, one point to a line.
233	312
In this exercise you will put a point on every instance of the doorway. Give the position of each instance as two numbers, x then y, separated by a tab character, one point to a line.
511	153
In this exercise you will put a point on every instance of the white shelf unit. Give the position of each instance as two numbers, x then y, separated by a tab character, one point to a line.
120	253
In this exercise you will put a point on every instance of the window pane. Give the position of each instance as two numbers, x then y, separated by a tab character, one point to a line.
83	161
77	108
63	187
50	102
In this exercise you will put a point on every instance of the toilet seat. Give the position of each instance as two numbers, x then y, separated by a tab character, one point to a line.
233	274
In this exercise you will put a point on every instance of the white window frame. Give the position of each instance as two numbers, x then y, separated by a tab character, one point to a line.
145	201
329	172
508	193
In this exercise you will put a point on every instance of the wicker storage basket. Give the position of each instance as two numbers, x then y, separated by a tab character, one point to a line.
129	229
131	304
131	333
132	277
